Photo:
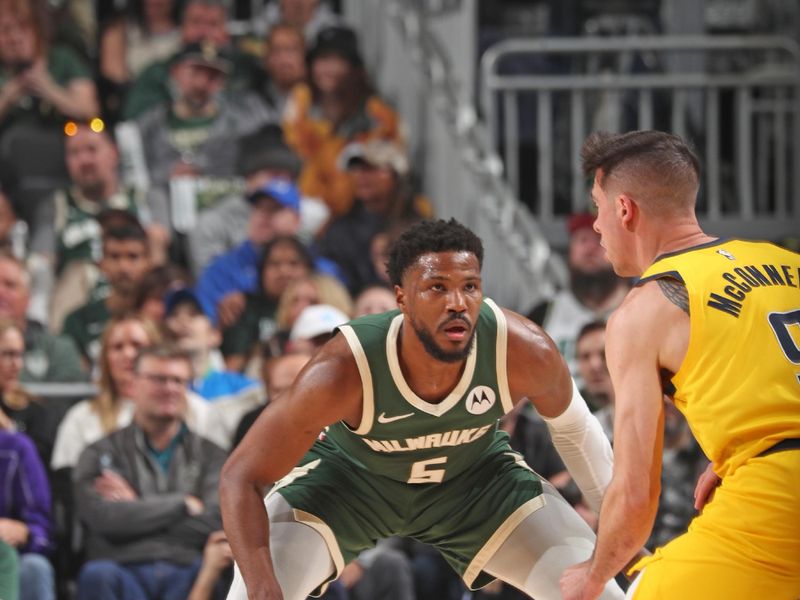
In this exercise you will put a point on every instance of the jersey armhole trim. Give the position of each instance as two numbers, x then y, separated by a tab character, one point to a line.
368	399
501	356
670	274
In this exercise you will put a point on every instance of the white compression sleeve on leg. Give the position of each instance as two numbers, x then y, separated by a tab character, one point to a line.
584	448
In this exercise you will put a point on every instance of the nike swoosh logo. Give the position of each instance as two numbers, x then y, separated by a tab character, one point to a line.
382	418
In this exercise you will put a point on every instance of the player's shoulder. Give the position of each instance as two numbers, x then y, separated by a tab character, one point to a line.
646	310
527	340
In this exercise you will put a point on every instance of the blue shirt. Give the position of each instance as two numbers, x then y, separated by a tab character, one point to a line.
237	271
216	384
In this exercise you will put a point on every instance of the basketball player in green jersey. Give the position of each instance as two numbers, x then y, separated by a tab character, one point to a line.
408	403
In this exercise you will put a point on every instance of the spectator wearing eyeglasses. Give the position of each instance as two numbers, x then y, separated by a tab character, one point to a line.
147	493
19	410
88	421
47	357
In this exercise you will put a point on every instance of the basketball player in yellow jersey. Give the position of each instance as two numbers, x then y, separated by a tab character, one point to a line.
721	319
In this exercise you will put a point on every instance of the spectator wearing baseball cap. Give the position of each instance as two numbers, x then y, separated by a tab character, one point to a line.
192	331
195	133
262	157
202	21
314	326
274	211
594	292
379	171
336	107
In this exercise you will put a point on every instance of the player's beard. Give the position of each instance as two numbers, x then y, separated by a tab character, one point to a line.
439	353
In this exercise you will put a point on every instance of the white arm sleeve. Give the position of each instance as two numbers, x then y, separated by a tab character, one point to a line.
584	448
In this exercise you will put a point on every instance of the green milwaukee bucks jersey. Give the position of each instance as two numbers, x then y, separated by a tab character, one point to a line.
77	230
406	438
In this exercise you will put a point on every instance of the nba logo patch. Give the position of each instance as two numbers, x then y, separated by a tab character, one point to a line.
480	400
726	254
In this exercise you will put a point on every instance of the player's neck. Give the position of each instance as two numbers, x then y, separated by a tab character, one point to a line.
674	237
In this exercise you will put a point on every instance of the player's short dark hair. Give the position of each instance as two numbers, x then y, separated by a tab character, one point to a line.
606	151
431	236
657	167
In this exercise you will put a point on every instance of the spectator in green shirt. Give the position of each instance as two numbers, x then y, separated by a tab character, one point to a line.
39	84
47	357
125	262
202	21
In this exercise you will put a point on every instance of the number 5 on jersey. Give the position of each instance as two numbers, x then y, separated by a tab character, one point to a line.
420	473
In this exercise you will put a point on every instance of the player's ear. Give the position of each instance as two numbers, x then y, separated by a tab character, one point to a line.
627	210
400	297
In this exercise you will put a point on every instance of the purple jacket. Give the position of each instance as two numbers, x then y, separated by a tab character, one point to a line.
25	493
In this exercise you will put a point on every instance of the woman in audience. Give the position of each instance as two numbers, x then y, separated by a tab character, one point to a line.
90	420
40	84
374	299
19	410
338	106
25	516
314	289
285	259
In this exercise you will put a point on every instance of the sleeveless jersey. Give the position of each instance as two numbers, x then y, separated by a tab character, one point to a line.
739	384
406	438
77	230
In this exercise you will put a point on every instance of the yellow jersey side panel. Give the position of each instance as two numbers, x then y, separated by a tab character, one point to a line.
739	384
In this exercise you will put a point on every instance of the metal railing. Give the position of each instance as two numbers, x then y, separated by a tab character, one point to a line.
460	171
739	104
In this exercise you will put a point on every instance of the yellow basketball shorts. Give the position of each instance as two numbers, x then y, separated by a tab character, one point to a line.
744	546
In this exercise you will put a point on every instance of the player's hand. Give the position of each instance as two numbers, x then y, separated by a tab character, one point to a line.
14	533
268	590
706	485
576	583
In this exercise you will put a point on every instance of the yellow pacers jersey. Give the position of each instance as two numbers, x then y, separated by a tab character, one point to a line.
739	384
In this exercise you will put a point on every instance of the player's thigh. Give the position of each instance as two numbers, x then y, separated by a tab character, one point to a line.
536	553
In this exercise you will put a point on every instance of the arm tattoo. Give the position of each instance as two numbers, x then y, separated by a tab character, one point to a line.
675	291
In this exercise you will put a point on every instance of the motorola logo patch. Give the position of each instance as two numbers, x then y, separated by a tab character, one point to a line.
480	400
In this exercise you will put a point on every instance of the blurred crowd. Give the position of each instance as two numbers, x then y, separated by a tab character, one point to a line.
185	217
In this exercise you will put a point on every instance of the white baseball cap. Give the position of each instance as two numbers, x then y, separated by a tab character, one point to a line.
315	320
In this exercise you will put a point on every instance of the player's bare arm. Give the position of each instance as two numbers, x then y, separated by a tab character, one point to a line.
642	337
326	391
537	371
